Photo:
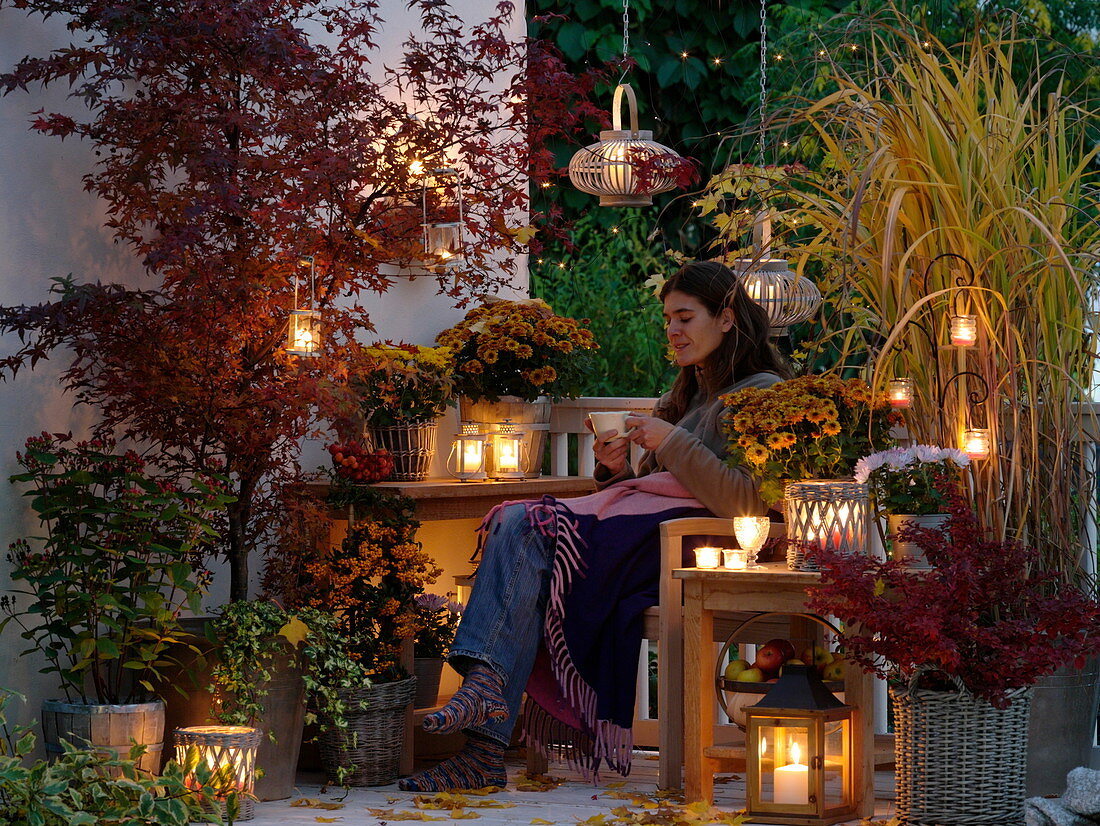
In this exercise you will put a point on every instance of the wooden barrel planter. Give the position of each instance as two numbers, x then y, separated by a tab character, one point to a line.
109	728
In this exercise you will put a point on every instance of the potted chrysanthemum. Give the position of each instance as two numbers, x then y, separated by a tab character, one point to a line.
907	485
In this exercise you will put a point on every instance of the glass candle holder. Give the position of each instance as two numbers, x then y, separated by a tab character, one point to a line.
735	559
708	557
964	330
900	393
977	442
751	533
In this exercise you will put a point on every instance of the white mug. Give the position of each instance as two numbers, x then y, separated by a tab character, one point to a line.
607	420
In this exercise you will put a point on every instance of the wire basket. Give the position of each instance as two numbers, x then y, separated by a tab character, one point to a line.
412	446
958	759
369	749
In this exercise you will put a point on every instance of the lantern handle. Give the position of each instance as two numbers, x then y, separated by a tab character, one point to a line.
616	105
762	234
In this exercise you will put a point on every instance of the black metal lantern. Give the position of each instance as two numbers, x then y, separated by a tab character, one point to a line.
800	753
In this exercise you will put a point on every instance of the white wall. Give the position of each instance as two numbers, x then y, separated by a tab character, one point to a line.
50	227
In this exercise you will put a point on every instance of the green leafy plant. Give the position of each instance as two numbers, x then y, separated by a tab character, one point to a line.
810	427
120	558
83	788
438	618
519	348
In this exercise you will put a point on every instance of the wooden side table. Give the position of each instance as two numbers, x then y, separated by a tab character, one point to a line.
775	588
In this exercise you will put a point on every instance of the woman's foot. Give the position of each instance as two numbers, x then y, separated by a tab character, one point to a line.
480	700
479	764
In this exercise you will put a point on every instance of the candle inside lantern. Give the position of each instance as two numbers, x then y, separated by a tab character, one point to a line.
964	330
751	533
507	455
735	559
707	557
976	443
303	339
900	393
792	782
471	454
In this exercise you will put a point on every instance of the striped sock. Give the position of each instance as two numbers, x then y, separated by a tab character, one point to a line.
479	764
478	701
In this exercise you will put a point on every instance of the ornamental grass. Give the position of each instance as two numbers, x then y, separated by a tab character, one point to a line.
950	186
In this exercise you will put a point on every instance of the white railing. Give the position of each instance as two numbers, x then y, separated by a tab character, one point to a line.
567	429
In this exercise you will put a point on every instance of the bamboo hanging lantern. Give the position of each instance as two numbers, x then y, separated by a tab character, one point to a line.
610	168
789	298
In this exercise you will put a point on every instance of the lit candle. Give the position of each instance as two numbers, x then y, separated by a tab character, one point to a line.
751	532
792	782
508	458
707	557
471	455
976	443
303	339
964	330
900	393
735	559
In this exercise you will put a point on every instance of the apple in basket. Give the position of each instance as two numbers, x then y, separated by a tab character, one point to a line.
735	668
817	656
770	656
751	675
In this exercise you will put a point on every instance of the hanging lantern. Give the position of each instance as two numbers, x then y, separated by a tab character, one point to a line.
610	168
508	452
830	513
467	458
788	297
964	330
304	329
899	392
230	754
799	750
977	443
443	214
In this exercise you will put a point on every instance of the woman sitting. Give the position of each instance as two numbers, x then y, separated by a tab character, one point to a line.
557	604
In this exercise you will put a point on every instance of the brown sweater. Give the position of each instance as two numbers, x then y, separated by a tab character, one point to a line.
693	453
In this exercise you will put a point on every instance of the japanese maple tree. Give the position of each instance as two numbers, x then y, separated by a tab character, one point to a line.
232	138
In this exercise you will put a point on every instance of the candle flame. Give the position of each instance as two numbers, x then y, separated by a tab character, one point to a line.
796	754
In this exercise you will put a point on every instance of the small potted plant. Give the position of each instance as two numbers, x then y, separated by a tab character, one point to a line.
437	618
370	583
906	484
512	358
402	390
961	644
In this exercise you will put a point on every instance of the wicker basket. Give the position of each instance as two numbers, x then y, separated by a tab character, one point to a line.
830	511
960	761
225	747
412	446
370	747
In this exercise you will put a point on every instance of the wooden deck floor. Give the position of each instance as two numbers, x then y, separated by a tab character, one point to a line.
565	803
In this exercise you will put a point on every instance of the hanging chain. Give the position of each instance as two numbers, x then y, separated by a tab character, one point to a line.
626	30
763	77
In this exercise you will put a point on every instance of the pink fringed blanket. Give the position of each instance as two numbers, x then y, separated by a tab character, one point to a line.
605	574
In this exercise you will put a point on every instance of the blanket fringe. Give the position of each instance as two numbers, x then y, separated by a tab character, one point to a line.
556	740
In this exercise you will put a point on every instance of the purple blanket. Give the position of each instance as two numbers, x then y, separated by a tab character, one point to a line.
581	693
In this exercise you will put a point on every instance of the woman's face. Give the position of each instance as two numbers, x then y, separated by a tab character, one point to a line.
692	331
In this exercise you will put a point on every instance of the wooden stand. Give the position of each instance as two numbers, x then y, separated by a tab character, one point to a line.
775	588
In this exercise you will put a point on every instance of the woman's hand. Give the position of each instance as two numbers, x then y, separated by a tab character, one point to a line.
647	431
610	452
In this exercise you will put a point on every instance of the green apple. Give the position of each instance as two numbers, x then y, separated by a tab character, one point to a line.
794	661
834	670
751	675
735	668
817	655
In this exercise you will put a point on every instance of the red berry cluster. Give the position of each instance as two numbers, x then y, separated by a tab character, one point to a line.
357	464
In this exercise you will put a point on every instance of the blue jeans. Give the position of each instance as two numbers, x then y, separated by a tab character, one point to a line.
503	620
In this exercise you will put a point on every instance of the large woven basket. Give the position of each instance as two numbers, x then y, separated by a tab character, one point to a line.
833	512
412	446
370	748
960	761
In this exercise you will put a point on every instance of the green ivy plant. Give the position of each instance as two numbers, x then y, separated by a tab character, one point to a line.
83	788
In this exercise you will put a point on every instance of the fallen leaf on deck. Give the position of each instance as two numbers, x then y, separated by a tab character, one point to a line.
462	814
452	800
538	821
618	784
321	819
538	783
390	814
314	803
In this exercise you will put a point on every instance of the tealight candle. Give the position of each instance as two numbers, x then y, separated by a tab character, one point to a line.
900	393
976	443
707	557
964	330
735	559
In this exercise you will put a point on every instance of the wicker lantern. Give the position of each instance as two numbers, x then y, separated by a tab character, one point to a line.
899	392
467	457
964	330
509	455
608	168
799	752
977	442
303	336
831	513
443	220
788	297
230	754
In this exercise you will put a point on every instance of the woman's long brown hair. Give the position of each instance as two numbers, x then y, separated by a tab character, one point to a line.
744	350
